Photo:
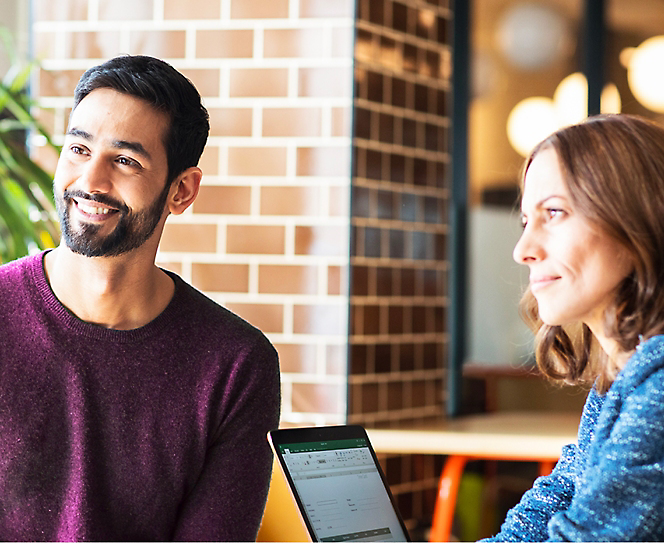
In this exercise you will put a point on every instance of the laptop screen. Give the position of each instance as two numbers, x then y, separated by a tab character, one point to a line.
341	490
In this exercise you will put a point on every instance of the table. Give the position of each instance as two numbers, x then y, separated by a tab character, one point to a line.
516	436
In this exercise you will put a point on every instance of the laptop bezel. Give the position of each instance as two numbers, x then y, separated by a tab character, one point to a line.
285	436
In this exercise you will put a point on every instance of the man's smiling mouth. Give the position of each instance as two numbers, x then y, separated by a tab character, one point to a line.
90	208
93	210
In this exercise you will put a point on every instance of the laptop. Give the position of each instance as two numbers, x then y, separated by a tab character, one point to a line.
337	483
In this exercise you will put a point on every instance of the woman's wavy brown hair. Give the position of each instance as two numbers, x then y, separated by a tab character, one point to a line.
613	168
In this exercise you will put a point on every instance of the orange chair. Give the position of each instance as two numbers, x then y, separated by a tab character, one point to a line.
448	488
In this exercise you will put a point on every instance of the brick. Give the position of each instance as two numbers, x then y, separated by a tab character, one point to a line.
46	157
293	43
255	239
366	398
198	238
300	201
226	200
323	161
267	317
325	82
58	82
92	44
292	121
287	279
321	240
221	277
126	10
319	319
337	280
339	201
177	9
259	9
269	161
158	43
230	121
336	362
317	398
206	81
224	43
175	267
72	10
44	44
326	8
209	161
256	82
294	358
342	42
341	121
47	119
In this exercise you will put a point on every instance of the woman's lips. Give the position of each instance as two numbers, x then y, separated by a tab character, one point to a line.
540	282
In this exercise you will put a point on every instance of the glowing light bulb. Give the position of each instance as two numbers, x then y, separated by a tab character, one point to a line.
531	120
645	75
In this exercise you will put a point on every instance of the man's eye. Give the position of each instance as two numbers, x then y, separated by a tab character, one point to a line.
126	161
77	150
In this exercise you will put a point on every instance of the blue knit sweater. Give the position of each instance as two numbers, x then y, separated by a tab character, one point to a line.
609	486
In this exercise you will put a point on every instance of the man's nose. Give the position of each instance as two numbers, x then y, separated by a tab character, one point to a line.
96	176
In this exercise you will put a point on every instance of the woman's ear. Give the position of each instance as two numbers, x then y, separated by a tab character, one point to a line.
184	190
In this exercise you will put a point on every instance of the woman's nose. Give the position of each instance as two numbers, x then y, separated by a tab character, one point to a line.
529	248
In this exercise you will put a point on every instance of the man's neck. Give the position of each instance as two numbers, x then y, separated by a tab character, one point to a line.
122	293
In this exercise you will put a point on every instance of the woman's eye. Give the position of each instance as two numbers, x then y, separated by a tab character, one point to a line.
554	212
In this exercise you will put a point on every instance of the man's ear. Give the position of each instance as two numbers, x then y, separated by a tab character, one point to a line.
184	190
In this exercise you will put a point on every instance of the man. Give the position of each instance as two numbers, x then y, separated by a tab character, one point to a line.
132	407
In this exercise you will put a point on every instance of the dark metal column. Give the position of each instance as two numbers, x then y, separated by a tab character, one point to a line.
459	204
594	37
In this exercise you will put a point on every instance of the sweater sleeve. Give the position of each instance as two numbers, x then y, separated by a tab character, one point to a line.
622	498
228	500
527	521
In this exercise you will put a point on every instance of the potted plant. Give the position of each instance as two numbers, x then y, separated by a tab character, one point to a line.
27	214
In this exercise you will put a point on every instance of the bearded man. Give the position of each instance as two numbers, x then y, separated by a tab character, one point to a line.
132	407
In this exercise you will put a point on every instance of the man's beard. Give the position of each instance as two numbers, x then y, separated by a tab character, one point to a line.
132	230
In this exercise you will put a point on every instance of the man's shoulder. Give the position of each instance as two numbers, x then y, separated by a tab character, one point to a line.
209	317
14	272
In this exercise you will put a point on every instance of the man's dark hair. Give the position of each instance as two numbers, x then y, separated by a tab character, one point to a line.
165	89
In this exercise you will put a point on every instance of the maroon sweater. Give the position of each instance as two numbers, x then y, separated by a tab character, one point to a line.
156	433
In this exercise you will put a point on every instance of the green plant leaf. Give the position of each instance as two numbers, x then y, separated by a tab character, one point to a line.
27	212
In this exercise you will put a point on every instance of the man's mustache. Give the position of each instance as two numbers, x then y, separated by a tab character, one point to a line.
68	195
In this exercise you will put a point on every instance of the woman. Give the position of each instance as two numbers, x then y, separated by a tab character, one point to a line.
593	239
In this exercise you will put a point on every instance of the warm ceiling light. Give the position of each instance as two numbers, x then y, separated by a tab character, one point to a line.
625	56
532	36
571	99
645	75
531	120
609	100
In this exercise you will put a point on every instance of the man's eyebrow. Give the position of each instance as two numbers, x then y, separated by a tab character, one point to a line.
79	134
135	146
